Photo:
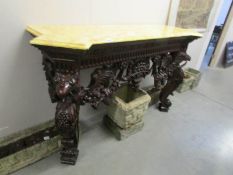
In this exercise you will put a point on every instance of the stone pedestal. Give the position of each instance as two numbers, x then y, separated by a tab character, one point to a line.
121	133
186	84
191	80
154	94
197	76
126	111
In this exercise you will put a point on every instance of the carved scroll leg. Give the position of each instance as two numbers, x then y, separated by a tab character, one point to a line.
173	82
67	122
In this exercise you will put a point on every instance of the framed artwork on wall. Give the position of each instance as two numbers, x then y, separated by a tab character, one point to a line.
191	14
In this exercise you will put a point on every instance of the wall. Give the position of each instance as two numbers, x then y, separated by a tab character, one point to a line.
224	11
24	100
226	36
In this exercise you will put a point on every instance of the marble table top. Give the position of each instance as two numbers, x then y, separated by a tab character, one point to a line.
84	36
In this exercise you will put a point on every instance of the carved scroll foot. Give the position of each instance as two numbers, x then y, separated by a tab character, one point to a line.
69	153
164	107
66	120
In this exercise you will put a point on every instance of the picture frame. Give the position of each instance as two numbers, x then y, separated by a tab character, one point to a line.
190	21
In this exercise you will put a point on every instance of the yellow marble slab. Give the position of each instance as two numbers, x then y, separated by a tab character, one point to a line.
84	36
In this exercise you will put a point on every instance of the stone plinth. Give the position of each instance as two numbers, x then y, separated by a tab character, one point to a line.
197	76
126	111
46	140
120	133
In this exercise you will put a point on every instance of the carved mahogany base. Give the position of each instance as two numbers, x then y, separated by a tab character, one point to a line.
115	71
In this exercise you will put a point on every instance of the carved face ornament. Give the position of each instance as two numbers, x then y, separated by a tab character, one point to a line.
64	83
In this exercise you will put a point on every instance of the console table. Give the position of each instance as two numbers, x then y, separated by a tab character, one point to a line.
122	55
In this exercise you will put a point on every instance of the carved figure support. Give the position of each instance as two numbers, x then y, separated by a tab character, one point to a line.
172	83
64	89
168	74
67	112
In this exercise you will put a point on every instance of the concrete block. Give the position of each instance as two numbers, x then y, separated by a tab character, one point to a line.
128	107
121	133
197	76
186	84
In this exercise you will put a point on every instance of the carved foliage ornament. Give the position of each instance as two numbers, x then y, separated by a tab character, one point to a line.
108	78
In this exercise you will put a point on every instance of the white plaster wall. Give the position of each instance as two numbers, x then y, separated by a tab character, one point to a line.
24	100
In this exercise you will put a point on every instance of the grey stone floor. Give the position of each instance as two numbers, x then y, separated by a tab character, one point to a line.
194	138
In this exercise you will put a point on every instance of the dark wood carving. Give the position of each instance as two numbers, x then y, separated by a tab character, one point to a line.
137	70
49	74
118	64
64	87
168	74
107	79
66	118
100	86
